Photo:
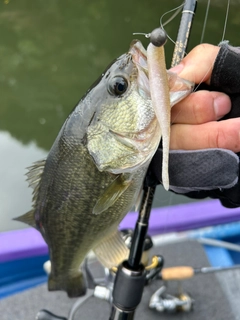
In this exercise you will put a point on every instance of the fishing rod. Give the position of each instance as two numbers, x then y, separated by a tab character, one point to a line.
184	31
131	275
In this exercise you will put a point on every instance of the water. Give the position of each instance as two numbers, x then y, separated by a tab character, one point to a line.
50	53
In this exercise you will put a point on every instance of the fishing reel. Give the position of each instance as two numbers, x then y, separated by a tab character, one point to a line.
164	302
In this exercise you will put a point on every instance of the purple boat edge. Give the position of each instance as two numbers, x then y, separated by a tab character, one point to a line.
24	243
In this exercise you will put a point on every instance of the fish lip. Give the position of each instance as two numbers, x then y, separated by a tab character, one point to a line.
139	58
139	55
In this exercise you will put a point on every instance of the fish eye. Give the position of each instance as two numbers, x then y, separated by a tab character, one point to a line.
118	85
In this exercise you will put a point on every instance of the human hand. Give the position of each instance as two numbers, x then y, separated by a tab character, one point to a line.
199	164
194	119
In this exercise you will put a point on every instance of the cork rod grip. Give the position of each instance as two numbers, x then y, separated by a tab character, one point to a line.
177	273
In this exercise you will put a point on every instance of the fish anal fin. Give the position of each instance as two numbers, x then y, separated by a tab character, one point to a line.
75	286
27	218
111	194
112	250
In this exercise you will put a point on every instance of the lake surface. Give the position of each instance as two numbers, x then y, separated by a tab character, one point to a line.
50	53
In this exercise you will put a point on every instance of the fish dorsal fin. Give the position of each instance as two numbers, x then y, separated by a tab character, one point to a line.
27	218
34	176
112	250
111	194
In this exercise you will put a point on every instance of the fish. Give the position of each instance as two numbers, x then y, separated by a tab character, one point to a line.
94	172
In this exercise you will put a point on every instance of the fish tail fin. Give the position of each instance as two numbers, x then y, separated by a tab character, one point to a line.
75	286
27	218
112	250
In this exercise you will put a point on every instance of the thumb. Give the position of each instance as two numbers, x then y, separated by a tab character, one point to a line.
198	64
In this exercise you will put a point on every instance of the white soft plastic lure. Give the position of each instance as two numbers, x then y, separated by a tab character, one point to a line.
159	90
166	89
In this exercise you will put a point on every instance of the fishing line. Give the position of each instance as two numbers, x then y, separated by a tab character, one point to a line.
146	35
177	9
223	35
206	18
226	19
201	81
205	21
168	216
173	120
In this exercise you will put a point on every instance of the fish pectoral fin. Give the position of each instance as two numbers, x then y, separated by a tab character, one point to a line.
27	218
111	194
112	250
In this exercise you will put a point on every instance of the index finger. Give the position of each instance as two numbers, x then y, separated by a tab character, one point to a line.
198	64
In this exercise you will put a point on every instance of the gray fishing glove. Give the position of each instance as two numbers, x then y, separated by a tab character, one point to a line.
196	170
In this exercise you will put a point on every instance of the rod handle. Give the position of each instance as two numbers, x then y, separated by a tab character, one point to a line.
177	273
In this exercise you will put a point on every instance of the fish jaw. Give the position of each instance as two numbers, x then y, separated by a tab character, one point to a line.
139	58
124	151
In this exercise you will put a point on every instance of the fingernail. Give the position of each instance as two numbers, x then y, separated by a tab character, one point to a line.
222	105
177	69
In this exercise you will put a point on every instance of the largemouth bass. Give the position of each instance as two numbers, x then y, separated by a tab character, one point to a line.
94	171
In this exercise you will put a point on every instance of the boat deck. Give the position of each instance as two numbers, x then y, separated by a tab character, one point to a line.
216	295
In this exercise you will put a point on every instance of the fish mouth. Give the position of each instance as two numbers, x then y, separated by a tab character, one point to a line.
139	58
